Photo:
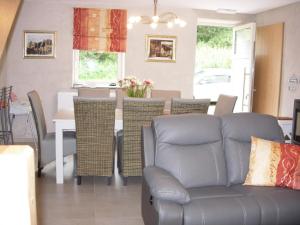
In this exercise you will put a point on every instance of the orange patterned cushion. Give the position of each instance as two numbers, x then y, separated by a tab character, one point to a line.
274	164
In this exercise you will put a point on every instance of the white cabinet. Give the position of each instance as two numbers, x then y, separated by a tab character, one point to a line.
17	189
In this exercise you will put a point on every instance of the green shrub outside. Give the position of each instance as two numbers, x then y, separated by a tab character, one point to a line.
214	47
98	66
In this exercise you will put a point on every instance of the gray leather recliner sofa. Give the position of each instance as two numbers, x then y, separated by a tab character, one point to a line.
195	166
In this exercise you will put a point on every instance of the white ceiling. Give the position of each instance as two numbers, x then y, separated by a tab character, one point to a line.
241	6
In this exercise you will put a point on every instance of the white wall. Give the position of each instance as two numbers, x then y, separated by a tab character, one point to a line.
290	15
233	19
48	76
176	76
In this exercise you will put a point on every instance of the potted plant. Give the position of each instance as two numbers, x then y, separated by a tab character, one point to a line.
134	87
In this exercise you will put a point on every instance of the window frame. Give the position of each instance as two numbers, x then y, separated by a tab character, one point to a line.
96	83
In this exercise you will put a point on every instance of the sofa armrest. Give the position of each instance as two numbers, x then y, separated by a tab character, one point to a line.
147	146
164	186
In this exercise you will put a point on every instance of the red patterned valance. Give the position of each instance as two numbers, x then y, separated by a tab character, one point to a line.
100	29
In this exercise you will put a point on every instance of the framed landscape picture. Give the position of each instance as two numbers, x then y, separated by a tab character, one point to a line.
39	44
160	48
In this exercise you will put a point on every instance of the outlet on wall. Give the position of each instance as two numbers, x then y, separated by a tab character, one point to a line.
293	83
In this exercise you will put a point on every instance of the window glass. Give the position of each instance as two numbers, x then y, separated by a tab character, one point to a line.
95	68
213	62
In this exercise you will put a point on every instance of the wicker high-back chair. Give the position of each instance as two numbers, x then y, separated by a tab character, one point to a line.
137	112
95	121
182	106
93	92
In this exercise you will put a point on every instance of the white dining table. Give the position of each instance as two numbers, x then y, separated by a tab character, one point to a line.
65	121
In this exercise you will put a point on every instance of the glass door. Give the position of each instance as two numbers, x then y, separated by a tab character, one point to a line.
243	65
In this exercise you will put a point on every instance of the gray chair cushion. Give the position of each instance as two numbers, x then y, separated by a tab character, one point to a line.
278	205
164	186
237	131
191	152
48	146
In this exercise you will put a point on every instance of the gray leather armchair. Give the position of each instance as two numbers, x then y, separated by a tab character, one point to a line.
194	168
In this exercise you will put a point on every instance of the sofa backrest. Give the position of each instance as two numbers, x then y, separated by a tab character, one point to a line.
237	130
190	147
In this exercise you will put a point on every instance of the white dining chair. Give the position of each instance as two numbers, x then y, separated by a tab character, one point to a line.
225	105
65	101
167	95
93	92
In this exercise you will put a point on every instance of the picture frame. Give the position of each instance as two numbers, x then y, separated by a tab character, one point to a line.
39	44
161	48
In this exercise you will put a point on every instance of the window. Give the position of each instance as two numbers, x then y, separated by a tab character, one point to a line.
97	68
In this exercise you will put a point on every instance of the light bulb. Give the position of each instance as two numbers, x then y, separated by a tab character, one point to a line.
170	24
182	23
129	26
131	19
177	21
138	19
153	26
155	18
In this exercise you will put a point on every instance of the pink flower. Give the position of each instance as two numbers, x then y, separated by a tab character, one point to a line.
147	82
13	97
134	87
132	83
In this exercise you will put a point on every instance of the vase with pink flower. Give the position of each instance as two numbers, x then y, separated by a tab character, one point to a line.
136	88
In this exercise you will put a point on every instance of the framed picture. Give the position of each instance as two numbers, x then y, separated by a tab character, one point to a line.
39	44
160	48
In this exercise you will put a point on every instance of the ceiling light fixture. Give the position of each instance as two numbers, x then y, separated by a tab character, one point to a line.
168	18
226	11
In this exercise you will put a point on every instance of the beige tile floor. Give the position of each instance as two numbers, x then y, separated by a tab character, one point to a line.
91	203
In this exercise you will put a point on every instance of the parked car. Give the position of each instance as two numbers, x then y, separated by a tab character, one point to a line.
212	76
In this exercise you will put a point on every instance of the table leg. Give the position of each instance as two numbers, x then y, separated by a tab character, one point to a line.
59	153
